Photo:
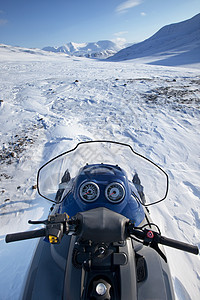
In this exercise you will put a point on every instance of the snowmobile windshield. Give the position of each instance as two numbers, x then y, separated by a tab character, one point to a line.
60	173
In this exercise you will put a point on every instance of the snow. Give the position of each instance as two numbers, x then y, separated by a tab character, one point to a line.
173	45
101	49
50	102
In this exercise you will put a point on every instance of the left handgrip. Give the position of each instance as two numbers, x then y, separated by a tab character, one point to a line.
13	237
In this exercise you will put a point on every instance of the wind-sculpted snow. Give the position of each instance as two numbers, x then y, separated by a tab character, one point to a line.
51	103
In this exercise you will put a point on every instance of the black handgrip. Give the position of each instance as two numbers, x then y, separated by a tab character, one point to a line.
13	237
156	237
178	245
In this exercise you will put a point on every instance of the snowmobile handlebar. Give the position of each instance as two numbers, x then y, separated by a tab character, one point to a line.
179	245
151	237
20	236
60	224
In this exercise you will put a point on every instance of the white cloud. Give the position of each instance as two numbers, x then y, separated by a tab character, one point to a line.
124	6
119	41
143	14
3	22
120	33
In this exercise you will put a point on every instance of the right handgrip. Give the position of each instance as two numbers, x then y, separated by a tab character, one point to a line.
178	245
13	237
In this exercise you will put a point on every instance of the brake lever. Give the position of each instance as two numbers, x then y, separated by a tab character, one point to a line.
56	227
57	218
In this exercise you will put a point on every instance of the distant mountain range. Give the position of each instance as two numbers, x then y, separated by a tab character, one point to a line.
100	49
175	44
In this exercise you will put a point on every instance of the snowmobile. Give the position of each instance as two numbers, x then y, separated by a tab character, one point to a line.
99	241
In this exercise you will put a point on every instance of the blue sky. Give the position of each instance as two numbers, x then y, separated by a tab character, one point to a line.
39	23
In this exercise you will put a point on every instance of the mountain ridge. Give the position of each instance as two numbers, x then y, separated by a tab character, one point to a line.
178	39
104	48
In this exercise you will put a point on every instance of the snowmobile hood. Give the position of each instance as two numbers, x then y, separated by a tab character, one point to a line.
103	185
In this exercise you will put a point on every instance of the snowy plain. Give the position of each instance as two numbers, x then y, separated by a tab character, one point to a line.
49	102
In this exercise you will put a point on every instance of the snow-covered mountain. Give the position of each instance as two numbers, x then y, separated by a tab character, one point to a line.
97	49
174	44
13	53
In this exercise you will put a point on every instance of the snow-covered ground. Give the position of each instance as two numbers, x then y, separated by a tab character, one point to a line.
49	102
